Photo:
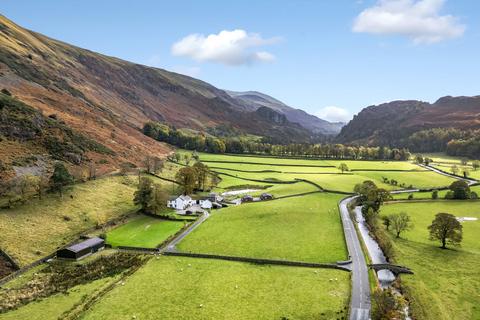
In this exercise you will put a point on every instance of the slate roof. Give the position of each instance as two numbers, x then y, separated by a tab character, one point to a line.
86	244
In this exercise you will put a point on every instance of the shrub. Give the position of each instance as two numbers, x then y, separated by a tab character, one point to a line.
473	195
435	194
6	92
410	196
449	195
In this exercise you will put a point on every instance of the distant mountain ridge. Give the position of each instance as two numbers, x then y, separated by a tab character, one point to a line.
253	100
109	99
389	123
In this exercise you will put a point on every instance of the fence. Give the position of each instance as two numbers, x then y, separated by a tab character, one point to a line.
258	260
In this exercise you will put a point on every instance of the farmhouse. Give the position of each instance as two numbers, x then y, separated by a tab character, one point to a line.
180	203
214	197
82	249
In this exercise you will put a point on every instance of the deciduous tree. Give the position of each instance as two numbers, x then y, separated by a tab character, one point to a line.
186	178
343	167
446	229
60	178
400	222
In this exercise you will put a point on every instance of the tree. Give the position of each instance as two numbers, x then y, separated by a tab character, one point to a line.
343	167
187	158
144	194
446	229
159	199
475	165
386	221
158	165
419	159
177	156
386	305
454	169
400	222
186	177
92	171
461	190
60	178
201	173
371	195
42	186
435	194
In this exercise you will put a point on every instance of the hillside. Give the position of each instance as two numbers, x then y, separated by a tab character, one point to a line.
109	100
392	123
252	100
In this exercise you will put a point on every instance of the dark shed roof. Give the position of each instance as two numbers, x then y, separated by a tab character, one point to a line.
86	244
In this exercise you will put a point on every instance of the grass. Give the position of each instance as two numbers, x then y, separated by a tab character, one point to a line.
446	283
185	288
421	179
55	306
303	228
143	231
44	225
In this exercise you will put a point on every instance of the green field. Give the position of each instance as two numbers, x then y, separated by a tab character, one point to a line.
303	228
143	231
184	288
446	283
44	225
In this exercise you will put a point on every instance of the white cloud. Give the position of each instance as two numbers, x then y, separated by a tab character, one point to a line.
334	114
236	47
419	20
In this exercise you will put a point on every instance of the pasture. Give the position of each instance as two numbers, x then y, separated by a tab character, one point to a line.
305	228
446	282
186	288
143	231
44	225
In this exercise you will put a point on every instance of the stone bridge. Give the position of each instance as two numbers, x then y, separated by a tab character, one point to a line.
393	268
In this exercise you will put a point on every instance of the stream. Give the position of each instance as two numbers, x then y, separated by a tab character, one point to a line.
385	277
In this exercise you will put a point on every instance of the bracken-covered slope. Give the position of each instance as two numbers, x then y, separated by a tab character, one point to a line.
388	123
254	100
109	99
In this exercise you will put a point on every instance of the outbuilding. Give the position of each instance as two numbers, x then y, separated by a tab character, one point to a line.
266	196
247	198
82	249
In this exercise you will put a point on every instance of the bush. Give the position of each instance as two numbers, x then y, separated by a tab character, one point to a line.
473	195
410	196
6	92
449	195
435	194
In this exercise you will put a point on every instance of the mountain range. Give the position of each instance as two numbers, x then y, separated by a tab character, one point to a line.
109	99
389	123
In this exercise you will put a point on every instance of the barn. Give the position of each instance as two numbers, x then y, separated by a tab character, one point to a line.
82	249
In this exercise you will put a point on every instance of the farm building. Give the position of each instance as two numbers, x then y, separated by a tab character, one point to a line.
247	198
266	196
180	203
82	249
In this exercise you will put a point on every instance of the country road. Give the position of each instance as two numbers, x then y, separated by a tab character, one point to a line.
360	304
172	245
360	296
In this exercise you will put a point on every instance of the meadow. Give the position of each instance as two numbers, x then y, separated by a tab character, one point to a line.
143	231
305	228
207	289
47	224
446	283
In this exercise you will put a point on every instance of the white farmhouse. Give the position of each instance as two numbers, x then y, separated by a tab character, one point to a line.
180	203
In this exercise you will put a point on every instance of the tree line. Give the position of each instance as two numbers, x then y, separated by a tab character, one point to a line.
455	142
202	142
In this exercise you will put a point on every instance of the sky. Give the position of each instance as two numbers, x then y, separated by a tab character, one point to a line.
329	58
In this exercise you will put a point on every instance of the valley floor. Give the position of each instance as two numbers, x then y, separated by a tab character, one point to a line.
302	223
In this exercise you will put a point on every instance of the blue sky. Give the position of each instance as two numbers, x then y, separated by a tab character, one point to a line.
312	55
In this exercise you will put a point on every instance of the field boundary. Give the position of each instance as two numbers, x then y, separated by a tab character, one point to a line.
270	164
257	260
